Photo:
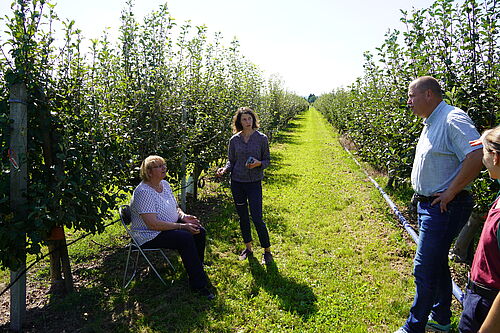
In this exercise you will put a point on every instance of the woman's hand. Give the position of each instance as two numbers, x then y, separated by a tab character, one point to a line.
256	163
220	172
190	219
191	224
193	228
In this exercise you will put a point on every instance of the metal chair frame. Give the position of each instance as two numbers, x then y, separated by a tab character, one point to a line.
134	247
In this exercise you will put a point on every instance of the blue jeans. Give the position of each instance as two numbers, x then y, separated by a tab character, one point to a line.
250	194
431	270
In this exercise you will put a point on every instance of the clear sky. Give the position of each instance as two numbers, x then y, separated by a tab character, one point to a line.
314	45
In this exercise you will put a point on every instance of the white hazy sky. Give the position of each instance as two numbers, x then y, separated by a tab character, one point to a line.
314	45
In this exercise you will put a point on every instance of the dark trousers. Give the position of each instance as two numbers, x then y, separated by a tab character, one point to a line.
476	309
245	195
191	248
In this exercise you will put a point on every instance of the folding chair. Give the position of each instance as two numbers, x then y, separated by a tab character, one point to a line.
133	247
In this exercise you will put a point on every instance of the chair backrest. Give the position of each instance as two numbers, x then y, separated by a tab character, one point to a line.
125	214
126	218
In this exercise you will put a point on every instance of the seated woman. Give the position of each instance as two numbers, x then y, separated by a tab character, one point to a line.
155	223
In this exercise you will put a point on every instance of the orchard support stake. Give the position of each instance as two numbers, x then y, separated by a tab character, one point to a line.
183	163
18	188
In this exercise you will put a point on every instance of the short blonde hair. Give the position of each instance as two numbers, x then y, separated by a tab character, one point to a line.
491	139
149	163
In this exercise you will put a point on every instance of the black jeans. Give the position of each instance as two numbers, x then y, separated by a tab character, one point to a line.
191	248
250	194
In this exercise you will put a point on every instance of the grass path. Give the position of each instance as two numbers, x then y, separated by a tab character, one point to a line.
341	263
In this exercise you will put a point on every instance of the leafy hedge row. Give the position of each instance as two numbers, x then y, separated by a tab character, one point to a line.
456	43
93	116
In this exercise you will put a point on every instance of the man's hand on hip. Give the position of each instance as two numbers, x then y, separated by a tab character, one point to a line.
443	199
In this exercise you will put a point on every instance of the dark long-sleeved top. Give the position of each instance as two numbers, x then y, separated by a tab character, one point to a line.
239	152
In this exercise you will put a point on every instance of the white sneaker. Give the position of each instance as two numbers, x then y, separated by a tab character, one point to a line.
401	330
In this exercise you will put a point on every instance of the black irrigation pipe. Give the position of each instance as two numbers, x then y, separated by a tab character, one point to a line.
457	292
177	189
24	271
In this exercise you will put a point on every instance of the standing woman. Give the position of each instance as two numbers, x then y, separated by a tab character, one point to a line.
248	156
484	280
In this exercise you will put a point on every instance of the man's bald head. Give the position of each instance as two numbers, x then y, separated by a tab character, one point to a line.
425	83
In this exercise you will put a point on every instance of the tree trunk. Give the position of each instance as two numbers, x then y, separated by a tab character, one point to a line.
59	259
196	176
462	251
60	269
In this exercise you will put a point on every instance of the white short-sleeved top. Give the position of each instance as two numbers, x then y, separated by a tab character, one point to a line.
146	200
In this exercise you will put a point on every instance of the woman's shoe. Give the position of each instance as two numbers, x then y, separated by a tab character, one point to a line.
267	258
205	293
245	253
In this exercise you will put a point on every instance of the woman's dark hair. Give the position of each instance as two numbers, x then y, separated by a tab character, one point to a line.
237	127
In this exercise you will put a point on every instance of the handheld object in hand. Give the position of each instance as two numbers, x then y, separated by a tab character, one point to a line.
250	160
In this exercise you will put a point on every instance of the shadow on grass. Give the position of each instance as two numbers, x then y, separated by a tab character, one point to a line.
282	179
80	309
297	298
219	217
285	136
276	163
273	178
100	304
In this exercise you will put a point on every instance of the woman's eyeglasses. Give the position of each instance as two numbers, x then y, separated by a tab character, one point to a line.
162	166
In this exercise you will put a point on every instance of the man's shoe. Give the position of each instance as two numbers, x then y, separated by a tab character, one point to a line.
267	258
401	330
245	253
434	326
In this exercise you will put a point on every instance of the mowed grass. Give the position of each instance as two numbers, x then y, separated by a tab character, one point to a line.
342	263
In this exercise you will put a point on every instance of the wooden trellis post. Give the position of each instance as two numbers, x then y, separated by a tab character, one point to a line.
18	188
183	162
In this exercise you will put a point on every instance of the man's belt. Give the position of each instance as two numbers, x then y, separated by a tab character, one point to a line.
422	198
482	290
